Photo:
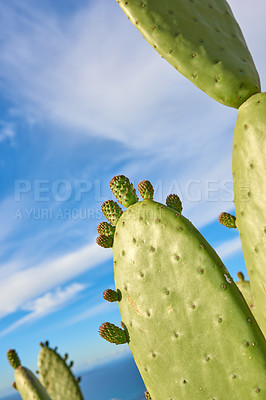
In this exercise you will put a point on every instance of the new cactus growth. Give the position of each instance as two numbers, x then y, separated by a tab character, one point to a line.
111	211
146	190
106	229
111	295
123	190
188	326
104	241
113	333
173	201
227	220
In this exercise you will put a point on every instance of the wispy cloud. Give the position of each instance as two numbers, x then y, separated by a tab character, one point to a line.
7	131
49	303
16	290
229	248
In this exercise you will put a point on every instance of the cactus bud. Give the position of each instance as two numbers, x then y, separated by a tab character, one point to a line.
147	395
111	211
123	190
146	190
240	276
104	241
174	201
13	358
227	220
112	333
106	229
110	295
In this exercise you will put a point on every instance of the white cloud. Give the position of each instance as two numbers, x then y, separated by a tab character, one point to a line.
7	131
22	286
49	303
229	248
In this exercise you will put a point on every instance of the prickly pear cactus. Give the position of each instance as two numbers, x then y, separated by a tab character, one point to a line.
188	326
249	172
26	382
202	40
56	375
244	287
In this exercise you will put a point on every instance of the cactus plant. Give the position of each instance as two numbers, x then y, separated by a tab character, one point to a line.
56	381
26	382
181	308
203	41
249	171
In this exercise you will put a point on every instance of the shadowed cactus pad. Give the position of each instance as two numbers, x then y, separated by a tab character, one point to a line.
227	220
202	40
186	344
56	376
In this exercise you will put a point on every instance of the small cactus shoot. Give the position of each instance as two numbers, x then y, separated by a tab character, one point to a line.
113	333
227	220
146	190
111	211
174	202
123	190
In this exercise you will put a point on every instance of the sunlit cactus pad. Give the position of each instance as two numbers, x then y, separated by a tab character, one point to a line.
26	383
56	375
249	176
189	328
202	40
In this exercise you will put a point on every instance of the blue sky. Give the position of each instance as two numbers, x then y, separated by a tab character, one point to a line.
84	97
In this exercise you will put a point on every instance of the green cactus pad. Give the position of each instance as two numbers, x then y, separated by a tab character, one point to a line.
111	211
106	229
191	332
110	295
146	190
26	382
249	172
244	287
104	241
29	386
174	202
13	358
56	376
203	41
113	333
123	190
227	220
